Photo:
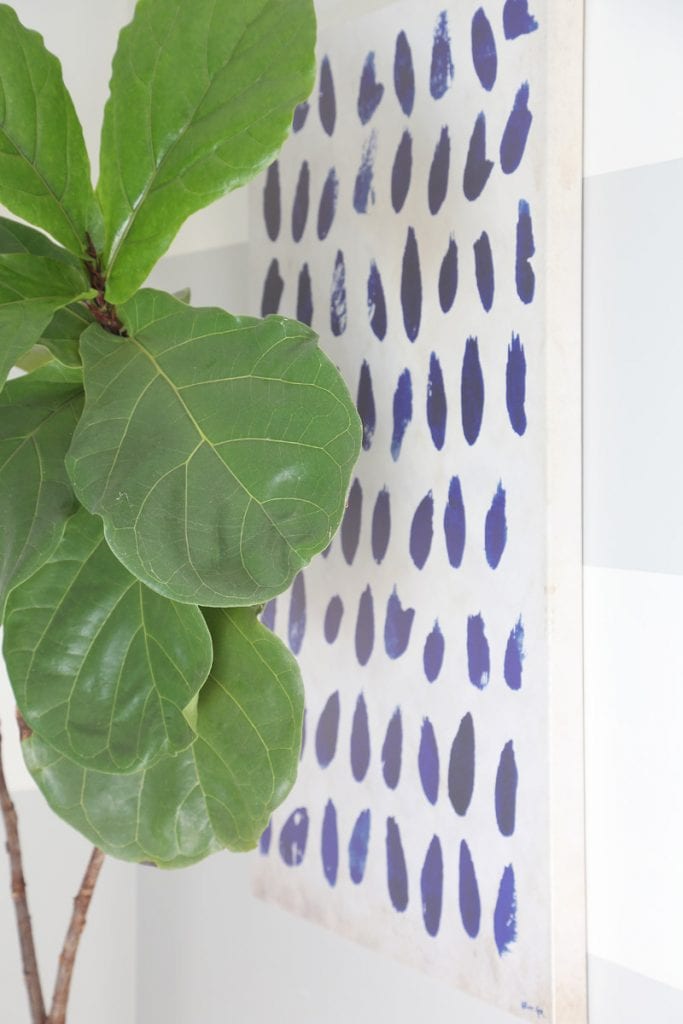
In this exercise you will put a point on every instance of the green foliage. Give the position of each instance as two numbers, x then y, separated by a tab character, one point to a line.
164	469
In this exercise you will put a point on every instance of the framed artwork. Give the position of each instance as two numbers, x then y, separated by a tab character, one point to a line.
425	218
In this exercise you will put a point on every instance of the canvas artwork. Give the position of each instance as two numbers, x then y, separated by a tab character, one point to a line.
416	220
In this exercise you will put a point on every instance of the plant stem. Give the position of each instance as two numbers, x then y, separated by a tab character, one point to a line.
67	957
28	951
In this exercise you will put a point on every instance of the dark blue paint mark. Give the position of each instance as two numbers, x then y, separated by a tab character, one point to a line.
301	200
397	626
360	741
514	656
293	837
333	618
517	21
268	614
483	268
432	656
505	914
422	531
377	307
495	529
404	75
326	102
273	287
363	192
506	790
365	404
515	385
477	167
297	614
448	276
338	300
468	893
525	278
392	750
300	115
271	201
401	171
327	550
484	50
428	762
370	92
328	204
454	523
365	627
431	887
471	392
461	767
436	403
438	172
304	297
397	874
350	527
411	287
265	839
381	526
403	412
358	847
516	132
327	733
329	844
478	655
441	73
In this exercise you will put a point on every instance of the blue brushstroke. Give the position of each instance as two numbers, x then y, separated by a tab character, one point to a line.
428	762
327	732
397	874
365	404
525	278
297	614
392	750
360	741
484	53
432	656
477	167
304	297
350	527
438	173
268	614
381	526
377	307
411	287
363	192
483	268
397	626
517	21
442	71
328	204
506	790
505	914
370	92
515	385
422	531
448	276
265	839
516	132
271	201
338	299
478	655
461	767
401	171
358	847
327	550
454	523
471	392
496	530
403	412
301	199
333	618
293	837
404	75
273	287
431	887
514	656
468	893
436	403
365	627
300	115
329	844
327	106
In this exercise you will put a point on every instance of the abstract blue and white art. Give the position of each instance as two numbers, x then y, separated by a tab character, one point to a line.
406	221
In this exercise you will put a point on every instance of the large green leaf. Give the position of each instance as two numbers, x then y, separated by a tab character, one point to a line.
38	414
202	96
217	449
218	793
32	288
20	238
102	667
44	167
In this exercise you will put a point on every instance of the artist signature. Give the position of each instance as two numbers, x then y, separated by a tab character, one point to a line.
534	1009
